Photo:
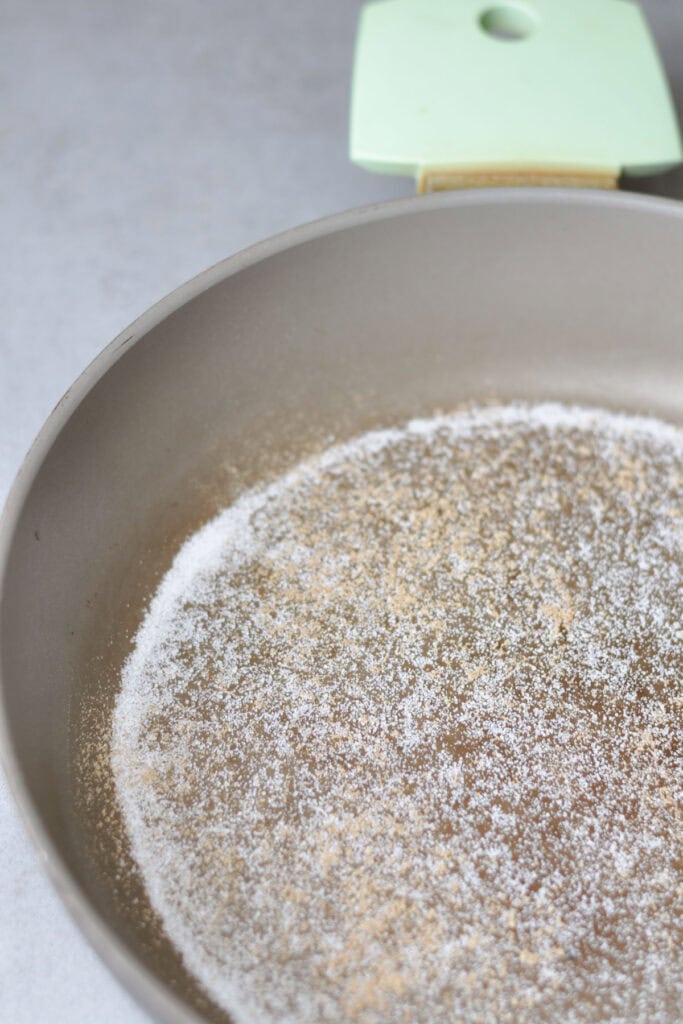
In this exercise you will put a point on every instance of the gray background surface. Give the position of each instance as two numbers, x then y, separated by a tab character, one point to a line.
141	141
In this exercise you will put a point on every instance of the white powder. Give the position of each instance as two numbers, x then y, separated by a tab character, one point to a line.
399	739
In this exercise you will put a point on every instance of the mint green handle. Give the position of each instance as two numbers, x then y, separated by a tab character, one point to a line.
576	86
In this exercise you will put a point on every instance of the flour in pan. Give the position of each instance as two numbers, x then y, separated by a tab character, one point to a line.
399	739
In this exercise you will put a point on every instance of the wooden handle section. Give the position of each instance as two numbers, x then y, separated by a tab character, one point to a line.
442	179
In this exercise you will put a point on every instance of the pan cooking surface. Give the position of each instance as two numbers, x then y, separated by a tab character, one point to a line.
397	737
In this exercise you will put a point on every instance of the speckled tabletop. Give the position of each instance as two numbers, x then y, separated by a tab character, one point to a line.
141	142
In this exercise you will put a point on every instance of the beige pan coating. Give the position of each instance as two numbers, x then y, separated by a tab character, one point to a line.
369	318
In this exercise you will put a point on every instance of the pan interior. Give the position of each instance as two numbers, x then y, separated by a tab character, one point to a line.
386	317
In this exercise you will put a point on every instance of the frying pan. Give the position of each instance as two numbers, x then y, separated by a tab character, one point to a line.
367	318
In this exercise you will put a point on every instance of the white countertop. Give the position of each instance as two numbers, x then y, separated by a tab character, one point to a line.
142	141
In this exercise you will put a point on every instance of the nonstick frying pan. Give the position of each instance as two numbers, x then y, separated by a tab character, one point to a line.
369	317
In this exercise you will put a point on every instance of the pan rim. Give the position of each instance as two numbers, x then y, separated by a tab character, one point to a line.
139	981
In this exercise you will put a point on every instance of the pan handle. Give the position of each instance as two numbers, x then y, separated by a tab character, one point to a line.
460	93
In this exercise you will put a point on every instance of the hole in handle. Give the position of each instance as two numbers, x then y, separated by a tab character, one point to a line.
507	22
